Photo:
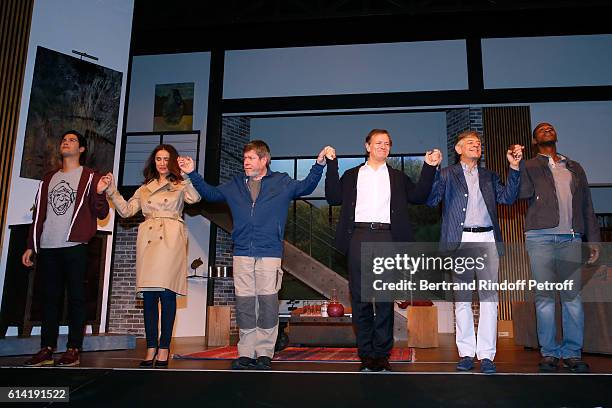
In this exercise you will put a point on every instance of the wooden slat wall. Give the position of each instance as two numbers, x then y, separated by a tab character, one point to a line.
15	19
503	127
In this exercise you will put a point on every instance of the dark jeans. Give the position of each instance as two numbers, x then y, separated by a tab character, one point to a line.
374	332
151	317
60	268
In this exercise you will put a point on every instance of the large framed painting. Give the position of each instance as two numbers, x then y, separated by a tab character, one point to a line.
173	109
70	94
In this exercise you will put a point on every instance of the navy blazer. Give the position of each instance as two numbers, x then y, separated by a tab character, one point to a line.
451	189
343	191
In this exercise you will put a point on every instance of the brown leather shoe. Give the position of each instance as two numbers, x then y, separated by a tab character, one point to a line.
43	358
70	358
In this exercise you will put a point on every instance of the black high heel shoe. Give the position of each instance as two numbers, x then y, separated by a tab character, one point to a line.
148	363
161	363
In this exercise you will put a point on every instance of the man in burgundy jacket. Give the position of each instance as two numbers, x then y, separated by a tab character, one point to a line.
68	203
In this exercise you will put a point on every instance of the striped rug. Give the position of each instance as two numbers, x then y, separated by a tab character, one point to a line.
335	354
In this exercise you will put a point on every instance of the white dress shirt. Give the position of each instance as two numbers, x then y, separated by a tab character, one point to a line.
373	195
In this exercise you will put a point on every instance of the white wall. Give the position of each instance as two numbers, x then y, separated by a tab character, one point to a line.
98	27
148	71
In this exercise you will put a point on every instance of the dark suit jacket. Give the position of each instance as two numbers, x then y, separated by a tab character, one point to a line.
343	191
451	189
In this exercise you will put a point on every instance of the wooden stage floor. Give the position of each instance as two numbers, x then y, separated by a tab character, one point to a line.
111	378
509	359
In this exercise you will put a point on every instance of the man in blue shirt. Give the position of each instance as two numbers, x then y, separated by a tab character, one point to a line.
470	195
258	200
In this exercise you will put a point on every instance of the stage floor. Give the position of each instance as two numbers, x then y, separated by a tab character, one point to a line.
509	359
111	378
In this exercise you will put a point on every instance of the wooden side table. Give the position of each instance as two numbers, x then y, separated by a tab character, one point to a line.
422	326
218	324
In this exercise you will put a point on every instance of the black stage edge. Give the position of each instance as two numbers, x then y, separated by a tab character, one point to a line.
292	389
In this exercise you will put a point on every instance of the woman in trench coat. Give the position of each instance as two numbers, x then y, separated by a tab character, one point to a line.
161	245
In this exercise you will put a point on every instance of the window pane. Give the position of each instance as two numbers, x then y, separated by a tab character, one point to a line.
413	166
346	69
583	131
412	132
425	220
395	162
283	166
529	62
185	144
137	151
303	168
346	164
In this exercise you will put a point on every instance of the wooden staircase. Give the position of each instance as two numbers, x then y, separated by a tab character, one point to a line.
301	265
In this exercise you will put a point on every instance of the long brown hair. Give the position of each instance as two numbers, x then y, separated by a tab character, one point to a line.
150	171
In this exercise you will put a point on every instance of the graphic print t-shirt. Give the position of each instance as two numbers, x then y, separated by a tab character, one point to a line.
61	202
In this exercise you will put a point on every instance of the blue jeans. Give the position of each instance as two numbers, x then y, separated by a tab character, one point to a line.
555	258
151	317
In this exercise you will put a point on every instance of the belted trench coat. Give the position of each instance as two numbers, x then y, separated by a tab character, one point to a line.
161	245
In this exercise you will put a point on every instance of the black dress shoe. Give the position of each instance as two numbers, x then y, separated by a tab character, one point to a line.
368	364
146	363
263	363
161	363
244	363
382	364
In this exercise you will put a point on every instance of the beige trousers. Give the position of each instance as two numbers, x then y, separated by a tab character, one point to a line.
257	282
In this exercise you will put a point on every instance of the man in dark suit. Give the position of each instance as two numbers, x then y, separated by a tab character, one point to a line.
470	195
374	200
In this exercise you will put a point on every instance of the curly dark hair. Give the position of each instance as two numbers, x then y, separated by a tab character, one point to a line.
150	171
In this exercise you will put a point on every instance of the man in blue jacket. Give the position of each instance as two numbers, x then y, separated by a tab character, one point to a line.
258	200
470	195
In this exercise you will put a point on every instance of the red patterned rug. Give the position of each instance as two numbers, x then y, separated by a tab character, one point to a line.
400	354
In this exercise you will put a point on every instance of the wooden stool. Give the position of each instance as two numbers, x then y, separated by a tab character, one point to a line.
218	326
422	326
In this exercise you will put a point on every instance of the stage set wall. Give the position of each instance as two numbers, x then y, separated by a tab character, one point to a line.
293	72
101	29
125	309
252	73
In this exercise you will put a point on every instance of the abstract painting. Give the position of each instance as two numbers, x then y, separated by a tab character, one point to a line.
69	93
